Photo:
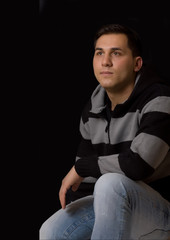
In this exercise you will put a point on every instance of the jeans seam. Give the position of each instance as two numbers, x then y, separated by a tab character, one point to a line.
157	229
76	224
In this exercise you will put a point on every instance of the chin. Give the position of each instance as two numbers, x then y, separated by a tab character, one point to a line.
107	85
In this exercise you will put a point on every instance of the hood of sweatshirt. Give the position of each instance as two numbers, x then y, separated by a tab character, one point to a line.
146	78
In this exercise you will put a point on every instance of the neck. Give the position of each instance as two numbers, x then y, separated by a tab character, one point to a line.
118	97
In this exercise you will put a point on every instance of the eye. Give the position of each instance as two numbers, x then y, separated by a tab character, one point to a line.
99	53
116	53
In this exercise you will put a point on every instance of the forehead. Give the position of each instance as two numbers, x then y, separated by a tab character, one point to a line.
112	40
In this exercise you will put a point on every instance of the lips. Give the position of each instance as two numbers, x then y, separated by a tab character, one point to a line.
106	73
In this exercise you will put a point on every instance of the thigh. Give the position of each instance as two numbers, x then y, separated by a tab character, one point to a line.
130	209
151	215
74	222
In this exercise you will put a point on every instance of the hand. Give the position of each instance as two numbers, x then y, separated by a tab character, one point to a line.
72	179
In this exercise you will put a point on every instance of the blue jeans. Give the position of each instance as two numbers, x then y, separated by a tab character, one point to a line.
120	209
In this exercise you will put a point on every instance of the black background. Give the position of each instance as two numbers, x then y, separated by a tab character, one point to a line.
66	77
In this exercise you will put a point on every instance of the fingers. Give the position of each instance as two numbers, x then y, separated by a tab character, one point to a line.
62	197
71	179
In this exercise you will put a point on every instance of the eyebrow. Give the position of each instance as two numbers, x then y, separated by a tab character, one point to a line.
113	49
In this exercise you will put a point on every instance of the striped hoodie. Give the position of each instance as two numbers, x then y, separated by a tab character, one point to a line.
133	139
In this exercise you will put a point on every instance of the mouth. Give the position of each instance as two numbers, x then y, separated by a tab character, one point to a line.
106	73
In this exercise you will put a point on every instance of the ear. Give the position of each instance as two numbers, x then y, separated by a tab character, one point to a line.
138	63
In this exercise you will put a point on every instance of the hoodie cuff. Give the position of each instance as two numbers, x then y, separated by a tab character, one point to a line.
88	167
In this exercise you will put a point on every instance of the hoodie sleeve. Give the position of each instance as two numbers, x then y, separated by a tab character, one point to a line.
145	153
151	144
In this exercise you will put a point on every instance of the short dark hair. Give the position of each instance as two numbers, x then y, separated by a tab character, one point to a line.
134	41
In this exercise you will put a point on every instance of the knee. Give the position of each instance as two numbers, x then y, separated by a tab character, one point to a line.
48	231
44	231
110	183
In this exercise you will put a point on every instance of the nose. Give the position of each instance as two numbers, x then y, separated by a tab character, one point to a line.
106	62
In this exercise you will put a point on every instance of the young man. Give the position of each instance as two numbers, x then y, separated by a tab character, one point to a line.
125	129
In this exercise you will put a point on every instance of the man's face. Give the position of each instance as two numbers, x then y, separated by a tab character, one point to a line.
113	63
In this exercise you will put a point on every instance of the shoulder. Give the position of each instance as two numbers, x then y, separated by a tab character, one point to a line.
95	104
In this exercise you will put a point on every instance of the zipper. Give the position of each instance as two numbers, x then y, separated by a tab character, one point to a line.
108	130
108	119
